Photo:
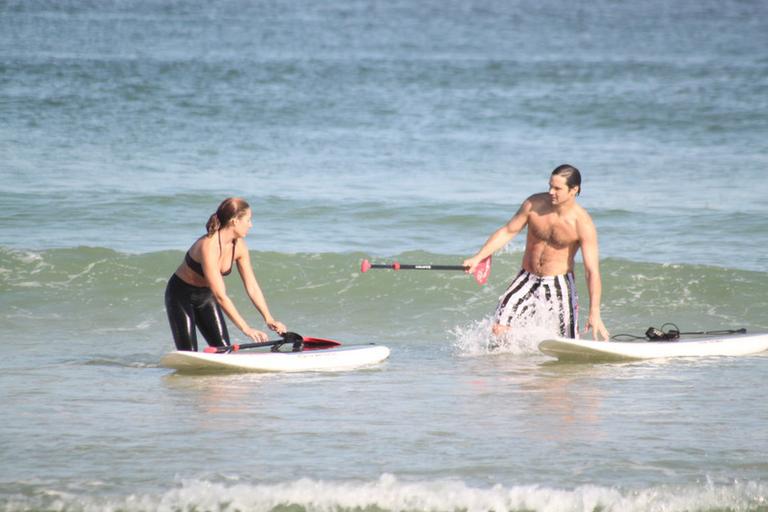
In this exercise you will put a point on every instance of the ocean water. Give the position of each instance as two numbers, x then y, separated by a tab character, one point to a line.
400	130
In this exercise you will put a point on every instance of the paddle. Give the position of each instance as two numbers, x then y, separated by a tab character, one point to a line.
299	343
481	273
289	337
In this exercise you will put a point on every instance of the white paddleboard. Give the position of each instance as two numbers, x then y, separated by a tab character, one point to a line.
339	358
568	349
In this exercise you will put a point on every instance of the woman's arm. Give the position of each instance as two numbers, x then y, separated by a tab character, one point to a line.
253	289
210	262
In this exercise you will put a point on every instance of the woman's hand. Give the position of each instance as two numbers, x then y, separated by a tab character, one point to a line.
255	334
276	326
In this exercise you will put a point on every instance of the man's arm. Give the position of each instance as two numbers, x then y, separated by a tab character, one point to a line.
589	251
501	236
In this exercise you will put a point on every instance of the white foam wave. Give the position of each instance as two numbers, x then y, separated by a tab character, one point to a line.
388	493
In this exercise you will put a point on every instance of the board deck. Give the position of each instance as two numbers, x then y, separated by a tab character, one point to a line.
590	350
333	359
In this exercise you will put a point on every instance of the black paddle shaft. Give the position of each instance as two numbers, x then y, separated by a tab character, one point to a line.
403	266
289	337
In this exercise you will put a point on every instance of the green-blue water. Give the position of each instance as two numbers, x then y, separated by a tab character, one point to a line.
390	131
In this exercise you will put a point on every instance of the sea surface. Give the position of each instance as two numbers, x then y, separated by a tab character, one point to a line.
403	130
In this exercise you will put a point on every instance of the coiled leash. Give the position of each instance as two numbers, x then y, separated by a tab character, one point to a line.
672	333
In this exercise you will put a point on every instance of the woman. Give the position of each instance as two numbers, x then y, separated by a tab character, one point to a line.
196	295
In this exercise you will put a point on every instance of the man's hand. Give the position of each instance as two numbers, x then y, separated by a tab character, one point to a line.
472	263
595	324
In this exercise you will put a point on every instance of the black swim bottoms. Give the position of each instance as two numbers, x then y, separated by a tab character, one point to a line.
191	306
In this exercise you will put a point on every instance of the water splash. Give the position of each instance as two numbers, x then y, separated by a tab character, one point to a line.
477	338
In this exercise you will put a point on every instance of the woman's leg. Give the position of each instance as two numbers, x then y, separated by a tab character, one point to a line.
181	315
210	320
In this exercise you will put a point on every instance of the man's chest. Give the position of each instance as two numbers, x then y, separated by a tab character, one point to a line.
553	229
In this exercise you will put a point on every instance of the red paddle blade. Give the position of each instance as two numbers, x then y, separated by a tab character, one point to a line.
482	271
319	343
365	266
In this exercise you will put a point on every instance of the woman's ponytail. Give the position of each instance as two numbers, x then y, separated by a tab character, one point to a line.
213	224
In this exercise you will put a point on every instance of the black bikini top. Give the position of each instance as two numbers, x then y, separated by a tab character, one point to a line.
198	268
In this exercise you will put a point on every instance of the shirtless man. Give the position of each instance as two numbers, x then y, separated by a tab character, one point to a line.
557	228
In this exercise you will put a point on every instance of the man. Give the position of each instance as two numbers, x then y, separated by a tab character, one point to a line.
557	228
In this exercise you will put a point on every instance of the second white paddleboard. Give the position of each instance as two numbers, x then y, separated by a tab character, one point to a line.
589	350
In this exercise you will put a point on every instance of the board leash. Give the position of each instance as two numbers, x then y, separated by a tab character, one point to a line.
672	333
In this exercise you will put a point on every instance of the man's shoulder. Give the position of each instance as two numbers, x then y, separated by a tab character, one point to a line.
583	219
581	212
538	197
538	200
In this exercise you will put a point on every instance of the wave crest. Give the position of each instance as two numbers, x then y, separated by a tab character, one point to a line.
389	493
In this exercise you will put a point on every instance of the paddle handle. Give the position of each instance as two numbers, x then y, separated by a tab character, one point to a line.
481	272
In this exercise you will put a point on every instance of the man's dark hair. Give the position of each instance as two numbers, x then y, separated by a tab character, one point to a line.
571	174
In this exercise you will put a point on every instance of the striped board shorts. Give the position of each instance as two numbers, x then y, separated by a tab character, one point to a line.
548	300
